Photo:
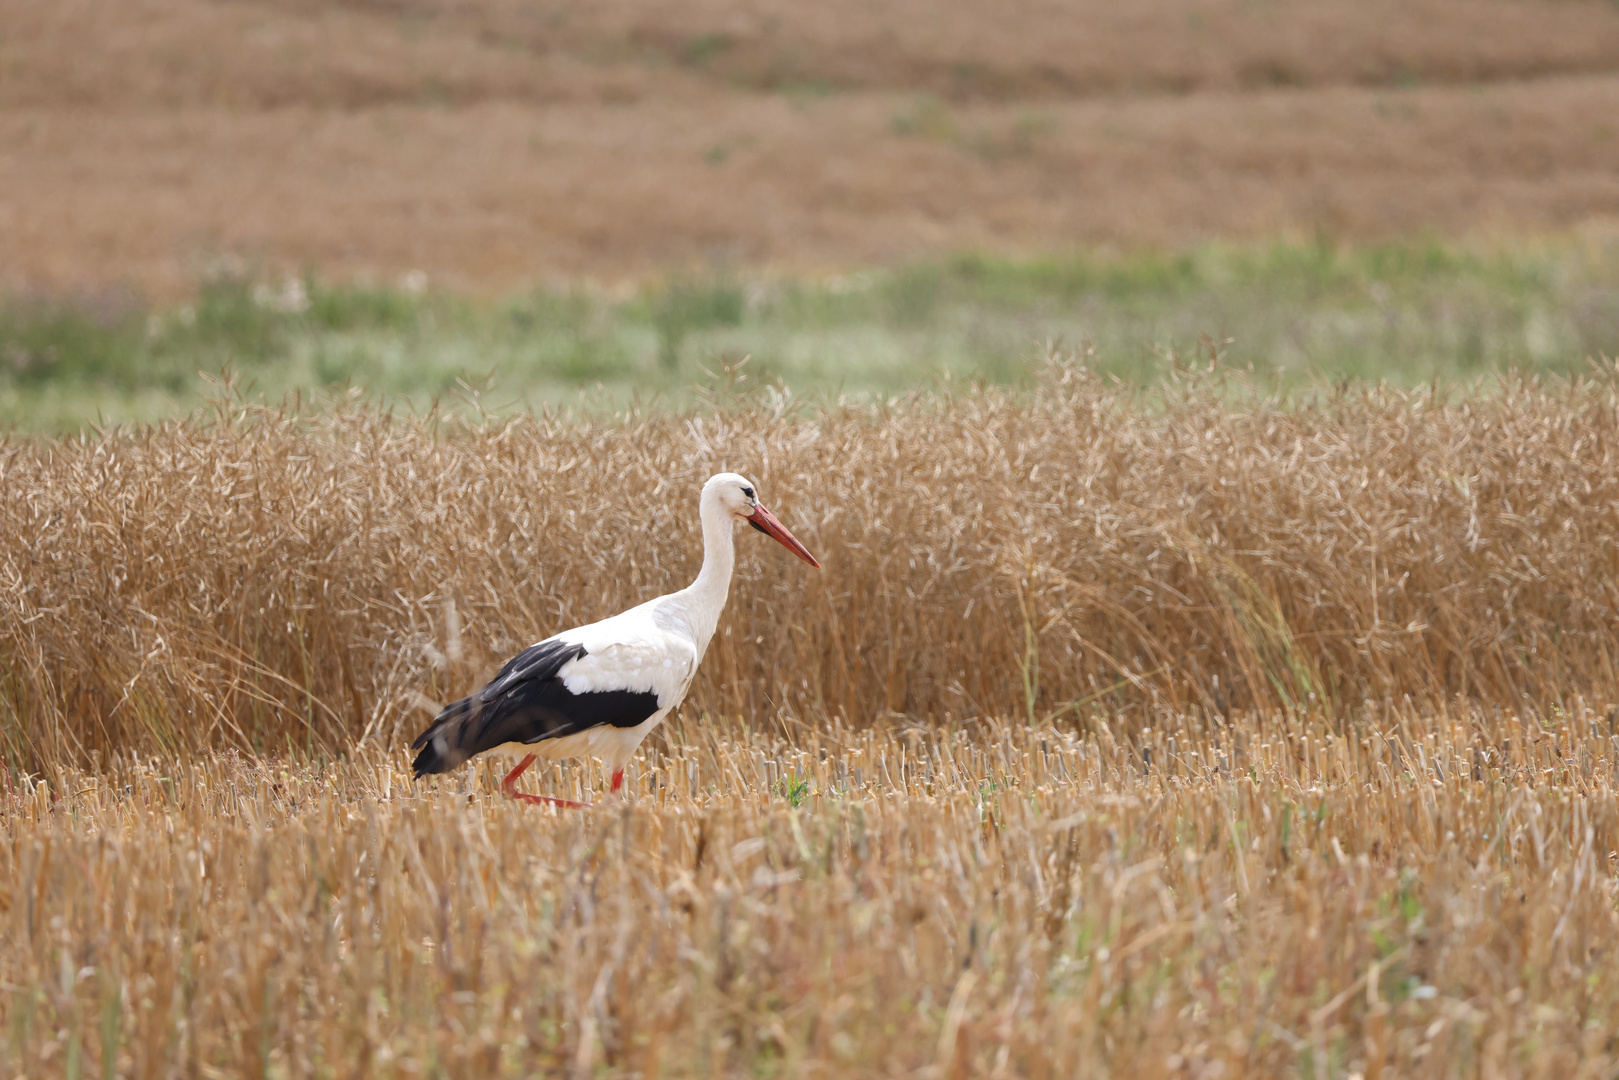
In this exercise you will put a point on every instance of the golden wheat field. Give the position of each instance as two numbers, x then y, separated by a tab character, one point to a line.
1182	733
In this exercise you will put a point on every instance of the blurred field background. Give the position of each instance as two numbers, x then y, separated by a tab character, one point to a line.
862	196
499	145
1205	413
1297	315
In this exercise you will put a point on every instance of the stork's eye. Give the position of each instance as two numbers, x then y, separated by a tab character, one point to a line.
748	492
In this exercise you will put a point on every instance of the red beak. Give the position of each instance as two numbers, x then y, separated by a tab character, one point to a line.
766	522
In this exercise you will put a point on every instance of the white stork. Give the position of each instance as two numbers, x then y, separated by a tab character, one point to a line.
600	689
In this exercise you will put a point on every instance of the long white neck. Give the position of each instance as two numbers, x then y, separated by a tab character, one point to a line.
704	599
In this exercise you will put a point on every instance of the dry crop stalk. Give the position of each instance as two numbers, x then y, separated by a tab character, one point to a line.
283	582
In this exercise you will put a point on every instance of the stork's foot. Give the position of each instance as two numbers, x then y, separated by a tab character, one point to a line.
508	789
546	800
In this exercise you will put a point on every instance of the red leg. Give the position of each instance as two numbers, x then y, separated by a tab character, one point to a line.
618	781
511	777
540	800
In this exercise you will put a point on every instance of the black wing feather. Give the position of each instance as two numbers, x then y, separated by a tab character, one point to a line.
541	661
525	702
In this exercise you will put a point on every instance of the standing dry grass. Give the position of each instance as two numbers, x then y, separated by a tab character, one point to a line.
1187	735
278	582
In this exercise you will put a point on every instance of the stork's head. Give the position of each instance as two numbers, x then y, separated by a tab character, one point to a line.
740	498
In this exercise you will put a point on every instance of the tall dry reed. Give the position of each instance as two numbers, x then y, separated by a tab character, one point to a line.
294	582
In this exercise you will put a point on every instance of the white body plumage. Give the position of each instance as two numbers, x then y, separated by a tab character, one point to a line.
598	690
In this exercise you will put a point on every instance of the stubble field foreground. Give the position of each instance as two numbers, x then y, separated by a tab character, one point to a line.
1191	734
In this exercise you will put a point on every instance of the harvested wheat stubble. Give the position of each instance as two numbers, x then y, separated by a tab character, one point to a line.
276	582
1432	894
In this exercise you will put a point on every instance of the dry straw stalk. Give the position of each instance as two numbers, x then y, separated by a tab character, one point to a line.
1193	736
1435	897
275	582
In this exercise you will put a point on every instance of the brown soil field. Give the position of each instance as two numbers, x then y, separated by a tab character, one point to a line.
495	145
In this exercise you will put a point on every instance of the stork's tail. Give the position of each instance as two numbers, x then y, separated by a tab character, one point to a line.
442	745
